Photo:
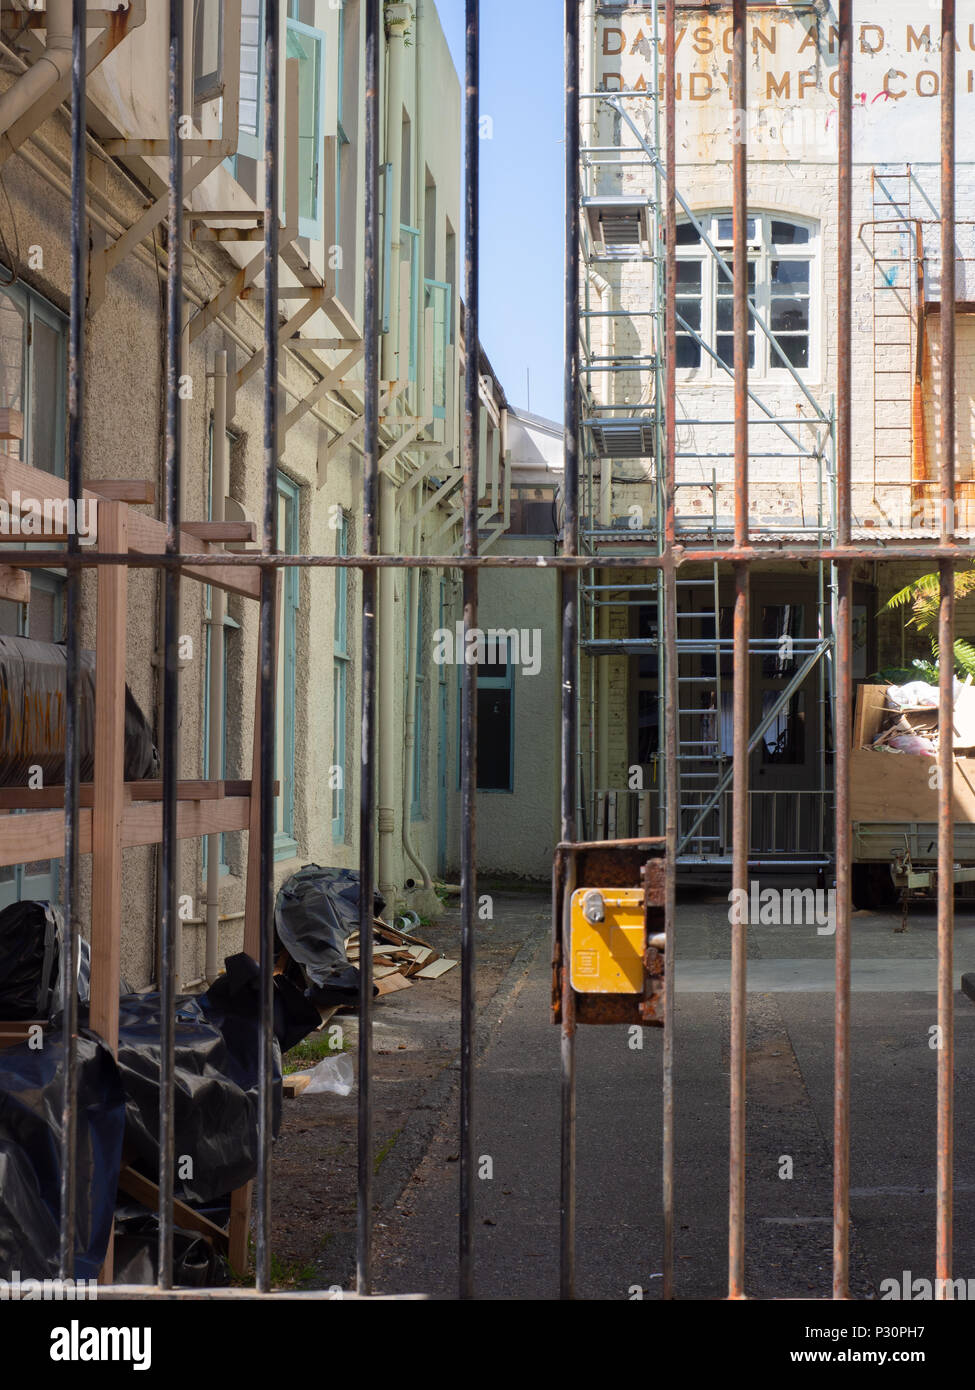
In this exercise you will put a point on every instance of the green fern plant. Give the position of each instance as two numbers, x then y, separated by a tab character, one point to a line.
923	597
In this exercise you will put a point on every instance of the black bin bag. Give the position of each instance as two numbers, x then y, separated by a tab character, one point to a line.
30	1156
315	913
31	934
216	1100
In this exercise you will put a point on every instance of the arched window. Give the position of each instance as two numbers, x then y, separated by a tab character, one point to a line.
782	260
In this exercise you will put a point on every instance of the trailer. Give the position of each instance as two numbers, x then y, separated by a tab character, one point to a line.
894	811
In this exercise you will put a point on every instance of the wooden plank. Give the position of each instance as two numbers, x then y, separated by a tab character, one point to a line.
147	536
40	834
11	423
294	1084
438	968
109	779
135	491
189	789
133	1184
391	984
221	530
14	584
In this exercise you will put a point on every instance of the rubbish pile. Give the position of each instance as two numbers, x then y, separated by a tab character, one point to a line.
909	722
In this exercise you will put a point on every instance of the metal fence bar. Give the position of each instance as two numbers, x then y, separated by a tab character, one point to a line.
570	633
843	723
946	666
671	699
739	997
170	753
267	645
468	733
72	762
370	545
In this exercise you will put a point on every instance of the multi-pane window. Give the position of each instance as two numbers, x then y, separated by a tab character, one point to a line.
781	283
347	131
207	50
250	123
32	376
307	46
340	686
439	298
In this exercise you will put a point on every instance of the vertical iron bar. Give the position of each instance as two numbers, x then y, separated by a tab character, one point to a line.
842	686
740	820
671	702
268	641
946	668
570	631
170	751
468	751
76	413
370	546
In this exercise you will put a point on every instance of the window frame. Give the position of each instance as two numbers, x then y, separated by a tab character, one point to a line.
251	146
505	682
312	227
762	252
208	86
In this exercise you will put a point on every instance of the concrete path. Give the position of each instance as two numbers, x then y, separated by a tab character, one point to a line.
789	1130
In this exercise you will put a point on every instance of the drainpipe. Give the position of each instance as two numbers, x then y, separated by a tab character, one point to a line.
398	19
218	605
413	598
53	64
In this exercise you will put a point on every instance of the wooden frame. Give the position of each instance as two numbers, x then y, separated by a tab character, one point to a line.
114	814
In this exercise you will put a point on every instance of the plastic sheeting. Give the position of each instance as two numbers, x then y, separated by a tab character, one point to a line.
32	716
315	913
30	1160
196	1265
31	934
217	1049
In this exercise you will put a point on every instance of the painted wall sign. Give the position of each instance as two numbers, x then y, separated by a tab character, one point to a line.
793	78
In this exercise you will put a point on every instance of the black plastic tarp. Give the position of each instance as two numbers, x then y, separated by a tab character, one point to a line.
315	913
31	933
30	1159
32	716
196	1264
217	1048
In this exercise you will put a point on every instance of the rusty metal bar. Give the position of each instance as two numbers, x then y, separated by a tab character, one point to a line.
671	698
169	925
370	543
570	633
268	643
739	875
468	734
946	668
72	750
843	689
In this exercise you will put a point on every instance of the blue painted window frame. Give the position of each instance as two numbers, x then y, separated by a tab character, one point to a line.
505	682
251	145
435	289
312	226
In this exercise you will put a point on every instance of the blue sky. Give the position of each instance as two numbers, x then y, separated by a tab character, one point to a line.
522	201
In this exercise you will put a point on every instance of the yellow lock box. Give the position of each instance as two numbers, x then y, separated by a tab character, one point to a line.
608	940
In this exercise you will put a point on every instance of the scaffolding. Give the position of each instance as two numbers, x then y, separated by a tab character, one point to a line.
621	335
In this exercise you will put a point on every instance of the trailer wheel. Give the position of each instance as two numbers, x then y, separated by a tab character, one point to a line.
872	887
